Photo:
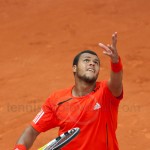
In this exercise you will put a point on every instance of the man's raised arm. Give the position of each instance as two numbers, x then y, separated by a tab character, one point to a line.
115	81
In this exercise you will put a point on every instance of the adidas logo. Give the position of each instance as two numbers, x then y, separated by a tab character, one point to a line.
97	106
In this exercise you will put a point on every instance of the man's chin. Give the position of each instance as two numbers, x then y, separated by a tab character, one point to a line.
90	80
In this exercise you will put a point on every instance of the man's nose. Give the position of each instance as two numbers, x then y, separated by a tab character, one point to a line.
92	63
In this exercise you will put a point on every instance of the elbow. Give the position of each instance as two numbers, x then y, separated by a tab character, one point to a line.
116	89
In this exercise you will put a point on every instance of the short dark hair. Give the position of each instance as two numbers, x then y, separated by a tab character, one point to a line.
76	58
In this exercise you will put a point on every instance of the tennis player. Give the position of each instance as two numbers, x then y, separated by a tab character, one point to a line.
88	104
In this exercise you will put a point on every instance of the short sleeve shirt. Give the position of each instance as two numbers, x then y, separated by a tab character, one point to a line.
95	114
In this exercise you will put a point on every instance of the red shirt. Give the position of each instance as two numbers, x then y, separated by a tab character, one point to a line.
95	114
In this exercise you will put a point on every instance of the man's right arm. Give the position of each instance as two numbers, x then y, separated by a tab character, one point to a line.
28	137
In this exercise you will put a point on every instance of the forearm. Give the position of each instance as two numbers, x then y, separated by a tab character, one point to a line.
116	76
116	80
28	137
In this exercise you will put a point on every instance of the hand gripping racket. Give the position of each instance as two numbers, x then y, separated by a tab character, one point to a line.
61	140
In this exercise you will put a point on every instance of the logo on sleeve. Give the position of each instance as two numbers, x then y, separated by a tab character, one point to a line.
38	116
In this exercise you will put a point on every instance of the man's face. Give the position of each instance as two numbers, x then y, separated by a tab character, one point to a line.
87	68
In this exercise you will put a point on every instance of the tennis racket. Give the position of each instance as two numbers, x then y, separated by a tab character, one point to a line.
61	140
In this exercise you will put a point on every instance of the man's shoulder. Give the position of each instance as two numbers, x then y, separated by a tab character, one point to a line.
60	94
62	91
102	83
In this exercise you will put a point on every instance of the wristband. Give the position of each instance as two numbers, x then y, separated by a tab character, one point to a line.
20	147
116	67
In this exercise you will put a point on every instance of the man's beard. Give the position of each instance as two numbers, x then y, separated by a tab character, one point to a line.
87	79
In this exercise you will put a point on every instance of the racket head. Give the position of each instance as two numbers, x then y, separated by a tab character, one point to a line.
61	140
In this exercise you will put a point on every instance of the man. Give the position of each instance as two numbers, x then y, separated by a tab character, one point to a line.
92	106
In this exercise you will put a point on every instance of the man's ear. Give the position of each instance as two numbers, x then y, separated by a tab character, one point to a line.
74	68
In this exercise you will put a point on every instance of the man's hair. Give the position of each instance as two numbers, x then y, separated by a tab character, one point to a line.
76	58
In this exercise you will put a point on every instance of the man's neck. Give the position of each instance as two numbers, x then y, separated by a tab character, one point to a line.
83	89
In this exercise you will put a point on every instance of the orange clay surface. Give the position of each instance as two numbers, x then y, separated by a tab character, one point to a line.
38	41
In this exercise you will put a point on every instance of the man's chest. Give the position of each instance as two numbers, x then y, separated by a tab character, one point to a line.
80	111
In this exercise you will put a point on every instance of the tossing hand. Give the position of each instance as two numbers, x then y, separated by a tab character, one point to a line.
111	50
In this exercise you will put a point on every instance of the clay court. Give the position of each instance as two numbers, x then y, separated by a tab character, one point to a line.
38	41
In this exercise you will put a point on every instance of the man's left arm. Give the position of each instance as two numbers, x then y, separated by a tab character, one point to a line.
116	74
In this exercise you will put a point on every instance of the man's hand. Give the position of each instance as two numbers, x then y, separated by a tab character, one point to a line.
111	50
